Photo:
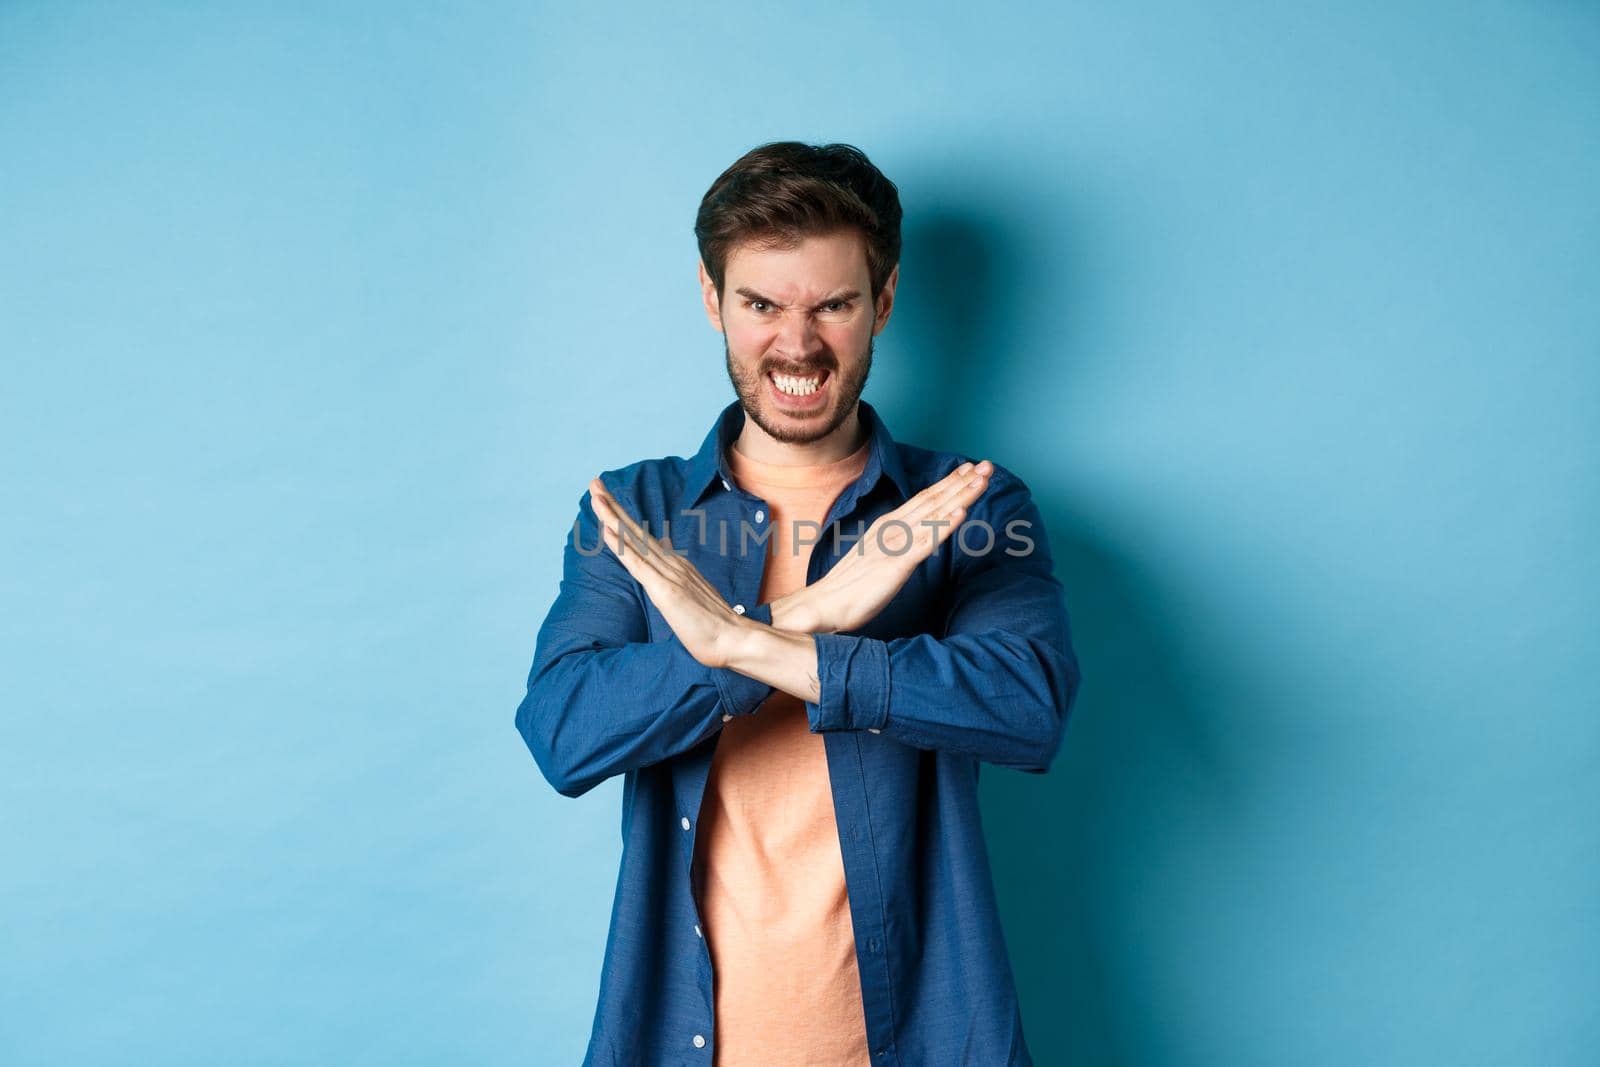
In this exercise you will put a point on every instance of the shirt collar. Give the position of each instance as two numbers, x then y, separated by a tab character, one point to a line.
709	466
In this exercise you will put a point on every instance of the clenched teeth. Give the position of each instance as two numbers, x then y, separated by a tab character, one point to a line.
794	386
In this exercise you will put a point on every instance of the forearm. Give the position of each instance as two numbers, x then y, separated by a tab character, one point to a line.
593	712
782	658
999	696
996	682
802	611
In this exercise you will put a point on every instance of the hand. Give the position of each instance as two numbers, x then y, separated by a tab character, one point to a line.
874	569
694	609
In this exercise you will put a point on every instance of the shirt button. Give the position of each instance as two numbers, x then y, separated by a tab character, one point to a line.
873	730
726	486
699	1041
684	822
726	717
697	932
760	514
738	609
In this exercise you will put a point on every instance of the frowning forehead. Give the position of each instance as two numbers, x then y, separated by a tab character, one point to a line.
843	292
813	271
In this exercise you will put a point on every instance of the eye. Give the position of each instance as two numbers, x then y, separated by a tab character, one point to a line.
836	305
756	305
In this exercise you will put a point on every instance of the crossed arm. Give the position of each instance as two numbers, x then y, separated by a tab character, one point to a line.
998	686
784	654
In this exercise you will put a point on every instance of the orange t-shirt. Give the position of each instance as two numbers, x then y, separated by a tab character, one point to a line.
768	869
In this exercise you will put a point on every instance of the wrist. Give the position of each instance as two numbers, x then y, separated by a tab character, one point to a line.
783	659
801	611
739	642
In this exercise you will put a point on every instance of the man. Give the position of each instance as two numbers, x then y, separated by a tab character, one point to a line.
798	645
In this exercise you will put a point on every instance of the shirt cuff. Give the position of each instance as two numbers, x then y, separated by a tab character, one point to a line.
853	684
742	694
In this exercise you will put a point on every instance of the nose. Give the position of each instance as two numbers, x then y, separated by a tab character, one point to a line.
797	336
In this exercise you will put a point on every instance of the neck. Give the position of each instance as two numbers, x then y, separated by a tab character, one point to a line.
757	444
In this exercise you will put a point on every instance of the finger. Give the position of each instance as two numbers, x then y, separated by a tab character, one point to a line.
657	551
939	523
965	494
957	480
929	514
974	486
645	564
625	536
667	577
952	490
612	535
638	537
928	499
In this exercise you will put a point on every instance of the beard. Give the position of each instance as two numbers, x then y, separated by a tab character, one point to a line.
846	387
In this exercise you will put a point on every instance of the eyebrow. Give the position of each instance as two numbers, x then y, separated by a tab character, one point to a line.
840	294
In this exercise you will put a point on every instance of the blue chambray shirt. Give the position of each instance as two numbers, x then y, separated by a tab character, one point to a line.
972	662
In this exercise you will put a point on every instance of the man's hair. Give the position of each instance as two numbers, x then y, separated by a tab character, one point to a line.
781	192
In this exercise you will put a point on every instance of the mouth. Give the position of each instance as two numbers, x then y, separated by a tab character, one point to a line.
799	392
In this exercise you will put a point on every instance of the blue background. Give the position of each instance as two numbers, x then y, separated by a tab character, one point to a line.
315	324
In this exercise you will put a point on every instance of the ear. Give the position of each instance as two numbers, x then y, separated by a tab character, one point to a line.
708	296
886	301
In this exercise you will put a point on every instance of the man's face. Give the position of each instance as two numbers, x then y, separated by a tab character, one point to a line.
797	327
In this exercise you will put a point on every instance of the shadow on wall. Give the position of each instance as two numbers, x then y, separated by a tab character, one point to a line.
1081	854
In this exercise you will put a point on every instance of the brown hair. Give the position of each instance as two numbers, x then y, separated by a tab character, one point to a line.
783	191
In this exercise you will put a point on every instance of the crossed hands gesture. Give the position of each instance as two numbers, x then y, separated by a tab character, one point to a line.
850	595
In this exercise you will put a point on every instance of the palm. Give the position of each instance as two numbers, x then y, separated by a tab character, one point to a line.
863	582
694	609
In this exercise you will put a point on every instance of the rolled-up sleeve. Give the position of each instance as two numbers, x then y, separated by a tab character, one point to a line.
999	684
602	698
